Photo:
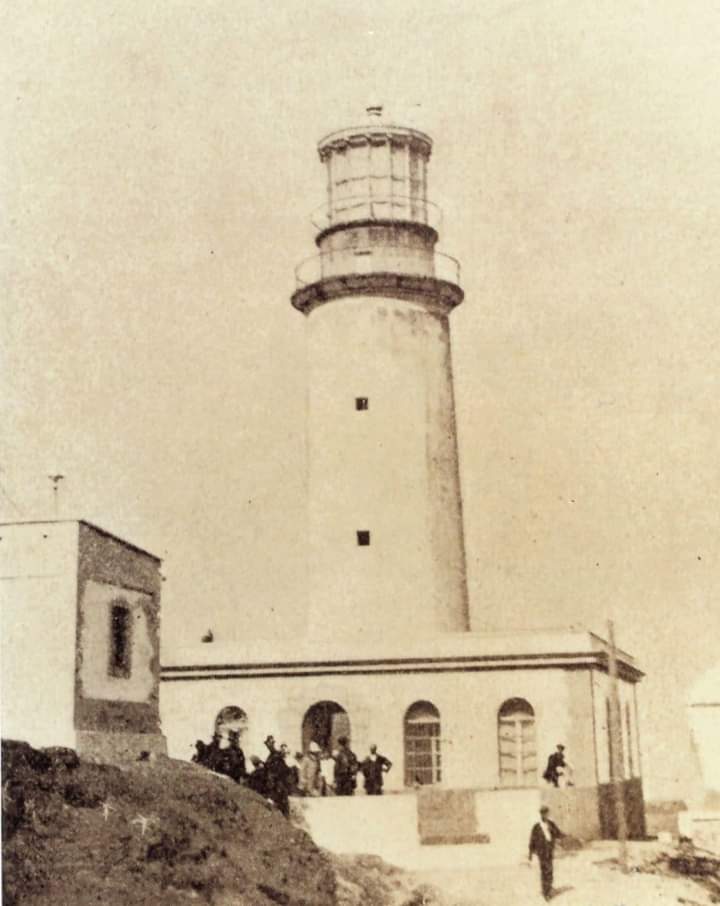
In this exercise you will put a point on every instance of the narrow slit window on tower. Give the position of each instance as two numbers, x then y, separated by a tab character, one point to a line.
363	538
361	403
120	628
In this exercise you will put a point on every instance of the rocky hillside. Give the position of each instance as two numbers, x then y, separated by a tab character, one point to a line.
161	832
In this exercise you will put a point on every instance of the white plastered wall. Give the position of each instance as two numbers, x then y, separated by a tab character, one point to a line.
376	704
38	586
631	742
391	470
95	639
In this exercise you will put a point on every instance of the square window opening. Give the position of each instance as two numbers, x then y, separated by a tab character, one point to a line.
363	538
361	403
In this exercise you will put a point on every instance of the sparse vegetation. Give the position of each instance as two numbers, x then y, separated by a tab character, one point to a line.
153	833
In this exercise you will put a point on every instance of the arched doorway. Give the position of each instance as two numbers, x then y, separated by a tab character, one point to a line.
324	723
230	718
423	759
516	743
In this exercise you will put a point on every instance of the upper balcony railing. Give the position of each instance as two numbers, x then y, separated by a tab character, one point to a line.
398	208
384	259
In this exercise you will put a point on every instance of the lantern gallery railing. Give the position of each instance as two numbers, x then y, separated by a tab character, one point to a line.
396	208
384	259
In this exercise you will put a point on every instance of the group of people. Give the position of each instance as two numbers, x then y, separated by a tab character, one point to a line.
314	772
336	773
322	773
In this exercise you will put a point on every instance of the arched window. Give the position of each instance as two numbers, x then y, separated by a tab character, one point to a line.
231	718
423	759
516	743
324	723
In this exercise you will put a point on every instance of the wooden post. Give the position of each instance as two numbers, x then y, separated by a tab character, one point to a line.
616	750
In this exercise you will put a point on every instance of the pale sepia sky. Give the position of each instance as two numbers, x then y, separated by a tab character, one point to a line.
160	173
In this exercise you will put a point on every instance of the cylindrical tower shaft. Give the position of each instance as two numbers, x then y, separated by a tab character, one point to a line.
385	534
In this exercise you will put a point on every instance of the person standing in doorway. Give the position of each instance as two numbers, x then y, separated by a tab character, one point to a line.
327	774
542	844
372	768
310	780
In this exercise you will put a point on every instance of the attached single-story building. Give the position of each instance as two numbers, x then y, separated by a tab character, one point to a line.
80	639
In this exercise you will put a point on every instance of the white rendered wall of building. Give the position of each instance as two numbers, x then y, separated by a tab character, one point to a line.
391	470
94	678
705	729
704	719
376	704
630	740
38	586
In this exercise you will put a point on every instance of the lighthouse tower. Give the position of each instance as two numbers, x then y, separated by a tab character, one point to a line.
385	535
389	657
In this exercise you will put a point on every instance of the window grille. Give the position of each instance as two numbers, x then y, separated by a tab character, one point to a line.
517	747
423	745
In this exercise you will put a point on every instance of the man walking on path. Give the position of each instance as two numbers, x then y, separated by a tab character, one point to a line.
542	844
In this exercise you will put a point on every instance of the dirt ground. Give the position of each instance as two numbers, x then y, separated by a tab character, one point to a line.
589	877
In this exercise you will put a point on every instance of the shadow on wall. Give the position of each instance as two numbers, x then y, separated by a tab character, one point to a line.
589	812
634	810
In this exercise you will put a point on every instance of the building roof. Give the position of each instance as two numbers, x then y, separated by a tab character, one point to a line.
90	525
571	649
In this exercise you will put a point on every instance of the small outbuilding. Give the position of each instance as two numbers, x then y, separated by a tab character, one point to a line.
80	639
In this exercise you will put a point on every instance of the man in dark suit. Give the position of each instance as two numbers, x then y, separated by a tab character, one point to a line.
372	769
346	767
276	777
542	844
555	766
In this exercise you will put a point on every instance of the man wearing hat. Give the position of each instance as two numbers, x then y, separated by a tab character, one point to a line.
276	777
555	766
542	844
346	767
